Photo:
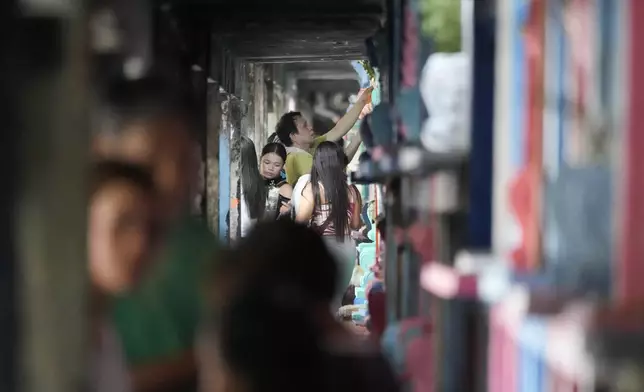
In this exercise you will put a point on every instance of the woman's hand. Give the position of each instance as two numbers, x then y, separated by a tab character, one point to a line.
365	96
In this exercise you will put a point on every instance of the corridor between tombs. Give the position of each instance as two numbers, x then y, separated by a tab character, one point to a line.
245	61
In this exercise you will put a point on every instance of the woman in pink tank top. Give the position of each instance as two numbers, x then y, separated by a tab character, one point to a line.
332	208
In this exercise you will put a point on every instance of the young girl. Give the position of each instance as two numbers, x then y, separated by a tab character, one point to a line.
264	195
120	234
271	166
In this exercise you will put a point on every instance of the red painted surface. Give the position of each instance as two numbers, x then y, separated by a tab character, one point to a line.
535	39
378	313
495	352
525	190
626	318
420	236
629	267
580	25
522	192
419	358
563	384
409	77
415	336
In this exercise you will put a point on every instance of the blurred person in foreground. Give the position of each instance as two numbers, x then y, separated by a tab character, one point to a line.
149	122
120	239
270	327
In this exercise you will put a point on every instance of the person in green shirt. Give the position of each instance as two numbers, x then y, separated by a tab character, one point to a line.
148	122
297	135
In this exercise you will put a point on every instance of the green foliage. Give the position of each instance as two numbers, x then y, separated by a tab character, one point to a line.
368	69
441	20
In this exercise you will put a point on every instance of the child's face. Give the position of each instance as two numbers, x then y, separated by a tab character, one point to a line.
120	235
271	165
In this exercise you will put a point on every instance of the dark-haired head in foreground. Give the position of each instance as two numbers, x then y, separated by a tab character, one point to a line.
276	250
271	302
149	122
267	297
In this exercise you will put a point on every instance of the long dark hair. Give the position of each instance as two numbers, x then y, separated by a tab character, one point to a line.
252	183
273	138
328	170
281	334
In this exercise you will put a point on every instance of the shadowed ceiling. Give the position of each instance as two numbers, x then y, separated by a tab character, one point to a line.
283	31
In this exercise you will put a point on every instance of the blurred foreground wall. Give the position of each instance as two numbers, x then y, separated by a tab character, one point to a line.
45	150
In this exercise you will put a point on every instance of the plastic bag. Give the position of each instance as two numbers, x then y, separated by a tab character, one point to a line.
445	89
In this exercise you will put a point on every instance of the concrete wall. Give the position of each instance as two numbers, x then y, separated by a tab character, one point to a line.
44	214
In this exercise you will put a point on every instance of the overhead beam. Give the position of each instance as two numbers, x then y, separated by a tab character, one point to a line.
280	48
266	10
328	86
303	57
325	75
300	60
283	54
294	22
